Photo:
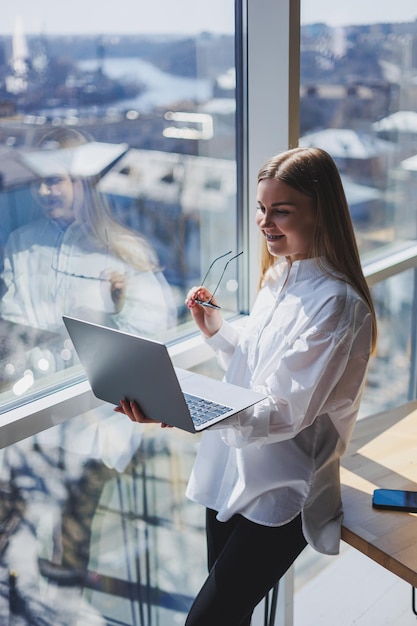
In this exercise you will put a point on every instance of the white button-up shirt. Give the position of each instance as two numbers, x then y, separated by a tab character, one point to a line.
306	345
49	271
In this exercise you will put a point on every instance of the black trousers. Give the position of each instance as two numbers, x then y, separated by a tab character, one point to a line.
245	561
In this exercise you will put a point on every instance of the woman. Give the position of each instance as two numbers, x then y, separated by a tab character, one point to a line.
76	258
269	477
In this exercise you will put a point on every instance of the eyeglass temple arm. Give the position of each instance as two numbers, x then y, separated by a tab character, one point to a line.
224	269
211	265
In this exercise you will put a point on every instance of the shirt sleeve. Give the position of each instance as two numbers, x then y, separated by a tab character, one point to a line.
322	372
9	305
149	307
224	343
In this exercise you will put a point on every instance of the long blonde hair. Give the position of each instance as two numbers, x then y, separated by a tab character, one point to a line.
110	235
98	222
313	172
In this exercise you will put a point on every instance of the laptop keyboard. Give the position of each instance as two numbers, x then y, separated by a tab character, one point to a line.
204	410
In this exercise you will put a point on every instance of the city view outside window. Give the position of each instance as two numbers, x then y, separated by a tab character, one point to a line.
358	101
118	175
118	190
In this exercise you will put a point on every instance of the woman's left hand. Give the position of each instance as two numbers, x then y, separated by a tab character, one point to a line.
134	413
114	298
117	290
207	319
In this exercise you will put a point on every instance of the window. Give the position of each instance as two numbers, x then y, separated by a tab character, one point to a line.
358	102
173	131
118	155
119	177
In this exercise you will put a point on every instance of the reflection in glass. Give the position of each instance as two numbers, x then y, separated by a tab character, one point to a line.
95	528
159	167
76	258
77	236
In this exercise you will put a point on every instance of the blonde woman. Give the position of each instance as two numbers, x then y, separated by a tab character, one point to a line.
269	477
76	258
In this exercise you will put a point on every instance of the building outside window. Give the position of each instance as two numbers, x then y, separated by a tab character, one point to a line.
358	66
357	101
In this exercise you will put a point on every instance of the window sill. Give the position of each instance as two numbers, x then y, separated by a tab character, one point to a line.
57	407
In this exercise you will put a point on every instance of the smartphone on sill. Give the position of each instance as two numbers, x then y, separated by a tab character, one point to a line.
395	500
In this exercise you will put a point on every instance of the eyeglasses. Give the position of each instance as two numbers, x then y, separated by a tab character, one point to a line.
58	270
101	279
209	303
55	268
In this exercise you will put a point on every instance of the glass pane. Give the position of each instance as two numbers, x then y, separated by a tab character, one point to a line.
357	96
392	370
94	526
357	99
358	102
118	175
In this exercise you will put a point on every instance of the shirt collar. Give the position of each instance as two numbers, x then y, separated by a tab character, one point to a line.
304	269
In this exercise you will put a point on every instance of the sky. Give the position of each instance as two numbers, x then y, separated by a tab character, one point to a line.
122	16
181	16
339	13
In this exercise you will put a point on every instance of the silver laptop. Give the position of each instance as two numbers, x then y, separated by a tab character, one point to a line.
120	366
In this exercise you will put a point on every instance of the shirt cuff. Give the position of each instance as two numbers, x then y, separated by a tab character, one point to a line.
225	340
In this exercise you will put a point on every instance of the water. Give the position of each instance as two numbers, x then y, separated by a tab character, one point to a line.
161	88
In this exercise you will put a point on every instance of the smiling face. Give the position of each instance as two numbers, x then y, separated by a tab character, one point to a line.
286	218
55	194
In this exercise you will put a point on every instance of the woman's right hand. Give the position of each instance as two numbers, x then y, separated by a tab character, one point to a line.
208	320
134	413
